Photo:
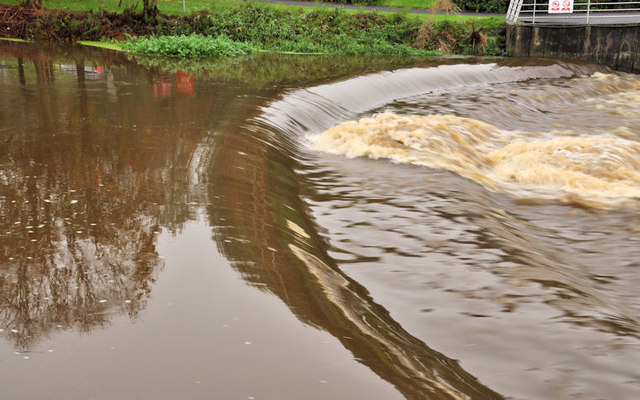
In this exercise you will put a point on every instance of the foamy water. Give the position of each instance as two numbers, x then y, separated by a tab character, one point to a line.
599	169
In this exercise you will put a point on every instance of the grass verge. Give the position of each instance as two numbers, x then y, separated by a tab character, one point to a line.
247	27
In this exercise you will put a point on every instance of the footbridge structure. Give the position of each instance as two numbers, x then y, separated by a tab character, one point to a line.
599	31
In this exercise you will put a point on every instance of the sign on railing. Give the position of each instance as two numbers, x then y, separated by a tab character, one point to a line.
565	12
560	6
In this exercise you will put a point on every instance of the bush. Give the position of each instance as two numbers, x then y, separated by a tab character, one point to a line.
188	46
362	2
486	6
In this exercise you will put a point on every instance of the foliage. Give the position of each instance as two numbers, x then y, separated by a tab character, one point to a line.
488	6
32	3
188	46
363	2
330	31
320	30
268	69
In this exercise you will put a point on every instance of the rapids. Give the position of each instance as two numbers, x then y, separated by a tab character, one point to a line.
599	170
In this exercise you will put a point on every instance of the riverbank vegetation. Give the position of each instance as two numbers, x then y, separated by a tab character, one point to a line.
238	28
175	7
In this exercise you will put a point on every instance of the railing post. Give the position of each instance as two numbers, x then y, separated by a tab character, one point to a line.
588	10
535	5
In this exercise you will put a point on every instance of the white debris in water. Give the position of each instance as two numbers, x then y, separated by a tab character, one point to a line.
29	227
127	301
47	201
59	326
323	381
74	201
102	301
17	223
14	330
247	343
50	351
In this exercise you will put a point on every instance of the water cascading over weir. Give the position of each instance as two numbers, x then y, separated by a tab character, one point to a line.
605	33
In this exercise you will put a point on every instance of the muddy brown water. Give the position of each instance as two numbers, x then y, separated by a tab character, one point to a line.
279	227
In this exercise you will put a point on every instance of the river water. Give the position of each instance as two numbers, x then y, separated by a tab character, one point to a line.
278	227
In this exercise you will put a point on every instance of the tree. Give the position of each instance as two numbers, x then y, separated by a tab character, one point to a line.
32	3
149	9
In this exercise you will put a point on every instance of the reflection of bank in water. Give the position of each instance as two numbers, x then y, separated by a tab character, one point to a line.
85	185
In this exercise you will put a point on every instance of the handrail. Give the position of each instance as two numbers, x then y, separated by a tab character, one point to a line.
583	12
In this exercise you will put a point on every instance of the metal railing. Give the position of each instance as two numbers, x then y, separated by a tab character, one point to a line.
583	12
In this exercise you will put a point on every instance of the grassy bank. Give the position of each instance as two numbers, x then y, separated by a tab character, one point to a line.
174	7
238	28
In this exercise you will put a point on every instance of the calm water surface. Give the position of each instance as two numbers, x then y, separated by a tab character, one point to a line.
278	227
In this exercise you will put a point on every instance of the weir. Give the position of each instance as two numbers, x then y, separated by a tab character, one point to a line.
602	33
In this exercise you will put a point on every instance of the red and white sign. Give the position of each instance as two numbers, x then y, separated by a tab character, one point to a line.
560	6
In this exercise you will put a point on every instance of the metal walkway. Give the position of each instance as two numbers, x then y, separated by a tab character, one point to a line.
568	12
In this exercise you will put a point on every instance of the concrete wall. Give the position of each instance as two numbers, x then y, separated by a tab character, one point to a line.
617	46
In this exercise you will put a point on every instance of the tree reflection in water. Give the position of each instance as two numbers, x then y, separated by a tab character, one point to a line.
82	195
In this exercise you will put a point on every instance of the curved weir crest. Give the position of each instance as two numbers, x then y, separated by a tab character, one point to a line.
315	109
600	170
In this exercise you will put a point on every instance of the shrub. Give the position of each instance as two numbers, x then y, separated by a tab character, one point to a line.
487	6
188	46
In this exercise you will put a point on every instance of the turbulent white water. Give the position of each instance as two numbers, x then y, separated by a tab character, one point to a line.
589	161
601	169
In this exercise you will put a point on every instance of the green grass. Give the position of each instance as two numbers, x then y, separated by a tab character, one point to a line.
408	3
103	44
174	7
188	46
14	40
